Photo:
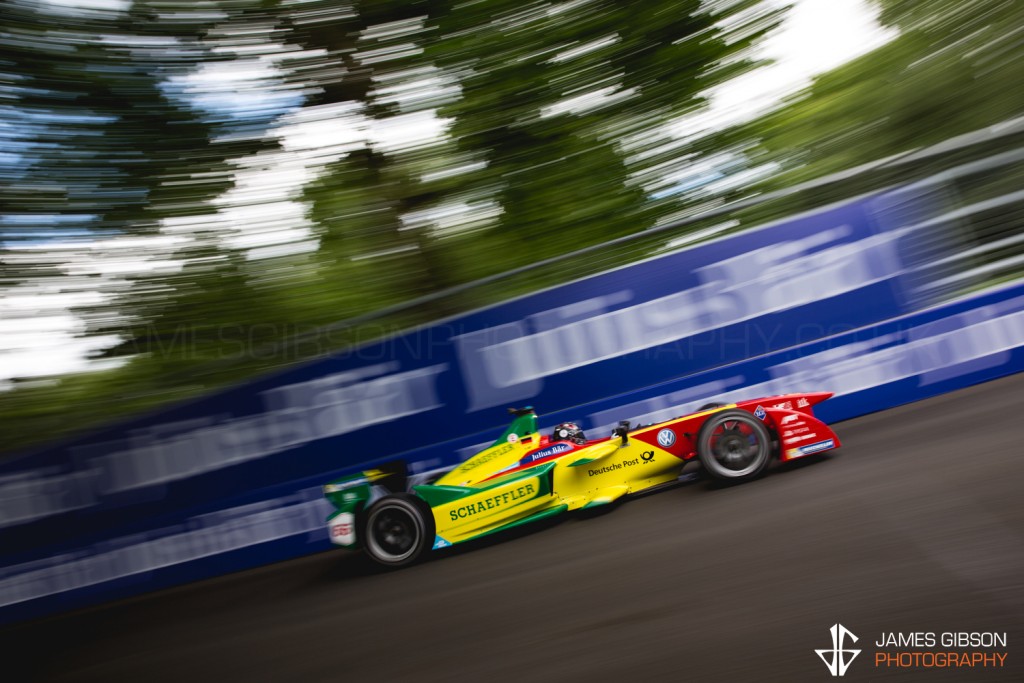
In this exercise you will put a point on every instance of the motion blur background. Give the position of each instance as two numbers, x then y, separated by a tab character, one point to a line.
212	212
195	193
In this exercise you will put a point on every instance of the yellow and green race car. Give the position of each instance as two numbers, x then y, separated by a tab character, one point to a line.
525	476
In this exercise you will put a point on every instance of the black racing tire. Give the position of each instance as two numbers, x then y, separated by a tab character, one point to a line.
734	446
709	406
397	530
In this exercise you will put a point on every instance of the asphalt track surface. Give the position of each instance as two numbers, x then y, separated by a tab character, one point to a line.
916	524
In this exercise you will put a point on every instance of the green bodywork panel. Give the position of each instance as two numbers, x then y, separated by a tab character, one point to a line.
348	495
543	514
521	426
439	495
539	471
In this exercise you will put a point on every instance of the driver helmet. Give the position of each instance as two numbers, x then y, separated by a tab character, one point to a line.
569	431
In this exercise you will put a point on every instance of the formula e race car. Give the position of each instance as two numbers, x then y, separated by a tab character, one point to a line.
525	476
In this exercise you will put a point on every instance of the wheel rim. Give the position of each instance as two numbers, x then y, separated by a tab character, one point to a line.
394	533
737	447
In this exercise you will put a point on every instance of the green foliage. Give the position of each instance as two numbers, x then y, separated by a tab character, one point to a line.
955	67
555	113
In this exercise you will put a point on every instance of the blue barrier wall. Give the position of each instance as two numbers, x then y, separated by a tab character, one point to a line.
817	302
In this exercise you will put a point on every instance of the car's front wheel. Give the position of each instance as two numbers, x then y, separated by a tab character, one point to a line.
398	529
734	445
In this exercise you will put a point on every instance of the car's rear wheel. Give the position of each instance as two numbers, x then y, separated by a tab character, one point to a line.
398	529
734	446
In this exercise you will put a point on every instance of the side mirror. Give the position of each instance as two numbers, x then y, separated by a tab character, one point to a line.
623	431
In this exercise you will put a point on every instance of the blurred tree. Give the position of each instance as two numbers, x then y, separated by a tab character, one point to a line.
561	100
955	67
371	59
102	142
556	115
947	21
542	98
106	151
109	151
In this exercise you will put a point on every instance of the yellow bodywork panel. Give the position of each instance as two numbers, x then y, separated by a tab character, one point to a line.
492	507
502	490
488	461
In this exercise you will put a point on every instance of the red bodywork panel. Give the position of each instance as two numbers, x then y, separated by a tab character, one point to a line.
791	418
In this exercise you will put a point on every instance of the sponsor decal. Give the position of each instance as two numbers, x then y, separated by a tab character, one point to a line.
809	449
513	437
802	403
645	457
666	438
484	459
343	529
494	502
789	418
839	658
547	452
440	543
815	447
759	412
785	405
